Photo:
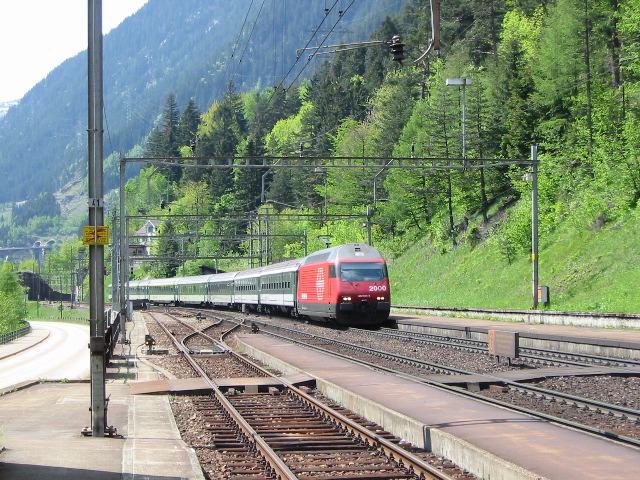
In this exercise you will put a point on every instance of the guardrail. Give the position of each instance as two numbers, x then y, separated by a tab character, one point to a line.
584	319
112	331
10	336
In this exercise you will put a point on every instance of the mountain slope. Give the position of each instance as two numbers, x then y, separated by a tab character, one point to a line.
192	48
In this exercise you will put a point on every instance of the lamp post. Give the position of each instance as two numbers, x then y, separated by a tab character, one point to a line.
533	178
534	223
463	82
326	239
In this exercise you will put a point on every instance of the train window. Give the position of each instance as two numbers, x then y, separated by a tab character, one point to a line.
362	271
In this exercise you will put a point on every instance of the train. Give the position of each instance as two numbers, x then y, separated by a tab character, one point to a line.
347	285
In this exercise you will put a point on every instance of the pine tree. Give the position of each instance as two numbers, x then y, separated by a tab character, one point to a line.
222	131
167	248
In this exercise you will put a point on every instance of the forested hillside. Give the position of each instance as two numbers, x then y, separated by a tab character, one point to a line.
191	48
563	75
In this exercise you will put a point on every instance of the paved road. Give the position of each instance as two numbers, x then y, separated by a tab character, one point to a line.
63	354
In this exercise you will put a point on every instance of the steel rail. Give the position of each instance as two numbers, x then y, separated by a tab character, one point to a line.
593	430
536	355
413	462
497	313
418	466
271	458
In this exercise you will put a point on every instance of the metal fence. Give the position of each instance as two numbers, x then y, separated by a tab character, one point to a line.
10	336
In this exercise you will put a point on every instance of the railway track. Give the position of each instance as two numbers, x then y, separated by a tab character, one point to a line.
595	319
534	356
286	433
626	429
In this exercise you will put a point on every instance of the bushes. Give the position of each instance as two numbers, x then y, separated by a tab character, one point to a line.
12	305
12	311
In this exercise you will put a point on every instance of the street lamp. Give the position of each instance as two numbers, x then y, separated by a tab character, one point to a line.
326	239
463	82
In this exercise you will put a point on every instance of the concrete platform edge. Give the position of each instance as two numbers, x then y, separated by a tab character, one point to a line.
477	461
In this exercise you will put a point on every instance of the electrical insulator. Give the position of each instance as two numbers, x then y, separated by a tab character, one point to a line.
397	48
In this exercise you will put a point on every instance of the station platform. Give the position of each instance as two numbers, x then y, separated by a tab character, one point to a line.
488	441
41	425
614	337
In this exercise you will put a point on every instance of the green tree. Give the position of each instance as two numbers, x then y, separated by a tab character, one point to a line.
163	141
167	247
12	306
290	185
221	132
187	126
514	82
9	282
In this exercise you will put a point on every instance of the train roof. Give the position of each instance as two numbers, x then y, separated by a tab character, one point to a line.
280	267
286	266
348	251
159	282
222	277
192	279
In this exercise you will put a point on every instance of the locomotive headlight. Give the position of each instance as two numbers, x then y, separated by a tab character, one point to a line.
346	299
380	298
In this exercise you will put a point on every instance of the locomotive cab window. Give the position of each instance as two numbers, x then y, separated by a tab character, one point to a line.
362	271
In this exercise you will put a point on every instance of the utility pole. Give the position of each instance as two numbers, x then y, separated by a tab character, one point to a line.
96	220
534	222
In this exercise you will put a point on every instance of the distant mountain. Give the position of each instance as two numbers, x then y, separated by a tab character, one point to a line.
191	48
5	106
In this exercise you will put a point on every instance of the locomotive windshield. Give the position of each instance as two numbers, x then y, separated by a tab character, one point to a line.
362	271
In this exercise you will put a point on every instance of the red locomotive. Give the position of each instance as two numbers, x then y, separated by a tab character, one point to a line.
348	283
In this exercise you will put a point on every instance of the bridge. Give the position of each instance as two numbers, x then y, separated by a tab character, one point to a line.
36	251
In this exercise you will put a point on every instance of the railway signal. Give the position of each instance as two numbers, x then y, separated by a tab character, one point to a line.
149	341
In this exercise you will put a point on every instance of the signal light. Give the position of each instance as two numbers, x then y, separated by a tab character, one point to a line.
148	340
397	48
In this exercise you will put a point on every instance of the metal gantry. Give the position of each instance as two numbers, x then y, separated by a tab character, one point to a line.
273	162
376	163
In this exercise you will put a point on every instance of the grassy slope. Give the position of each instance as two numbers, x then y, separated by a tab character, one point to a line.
50	311
585	270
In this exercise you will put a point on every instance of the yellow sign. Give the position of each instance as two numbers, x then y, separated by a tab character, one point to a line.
95	235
